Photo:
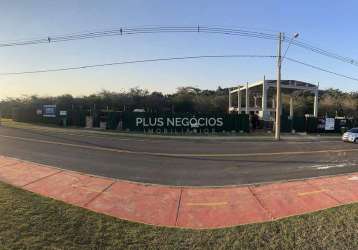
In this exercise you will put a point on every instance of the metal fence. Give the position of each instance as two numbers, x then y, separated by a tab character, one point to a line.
178	122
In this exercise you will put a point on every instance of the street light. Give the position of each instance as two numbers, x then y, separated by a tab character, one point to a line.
289	44
278	85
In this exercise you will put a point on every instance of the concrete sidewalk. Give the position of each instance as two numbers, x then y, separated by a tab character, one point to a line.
187	207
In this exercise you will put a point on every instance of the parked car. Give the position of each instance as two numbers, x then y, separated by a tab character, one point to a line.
351	135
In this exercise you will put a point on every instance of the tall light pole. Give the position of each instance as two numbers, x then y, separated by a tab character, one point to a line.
278	85
278	90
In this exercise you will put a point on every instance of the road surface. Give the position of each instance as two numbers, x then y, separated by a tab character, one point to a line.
180	162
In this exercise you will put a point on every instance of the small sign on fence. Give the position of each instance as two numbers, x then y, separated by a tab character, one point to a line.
49	110
329	125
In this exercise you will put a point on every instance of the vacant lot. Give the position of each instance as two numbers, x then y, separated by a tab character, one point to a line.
32	221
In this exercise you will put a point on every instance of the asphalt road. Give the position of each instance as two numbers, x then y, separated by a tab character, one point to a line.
181	162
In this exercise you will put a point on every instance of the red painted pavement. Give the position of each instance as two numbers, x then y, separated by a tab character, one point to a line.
181	206
155	205
292	198
341	188
219	207
70	187
22	173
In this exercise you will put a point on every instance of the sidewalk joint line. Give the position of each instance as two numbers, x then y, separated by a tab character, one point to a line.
178	208
261	204
99	193
324	191
42	178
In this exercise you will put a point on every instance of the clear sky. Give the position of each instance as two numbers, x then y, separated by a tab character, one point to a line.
330	25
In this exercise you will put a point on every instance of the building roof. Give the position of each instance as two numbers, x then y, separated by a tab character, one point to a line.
286	84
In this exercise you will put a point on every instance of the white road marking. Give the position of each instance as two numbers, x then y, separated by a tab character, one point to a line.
329	166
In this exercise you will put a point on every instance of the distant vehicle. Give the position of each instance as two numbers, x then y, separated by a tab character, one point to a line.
351	135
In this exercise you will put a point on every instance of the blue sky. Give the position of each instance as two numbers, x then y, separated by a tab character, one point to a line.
327	24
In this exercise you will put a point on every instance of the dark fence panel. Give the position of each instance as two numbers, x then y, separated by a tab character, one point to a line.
179	122
73	118
286	124
29	115
299	123
342	124
113	119
76	118
311	124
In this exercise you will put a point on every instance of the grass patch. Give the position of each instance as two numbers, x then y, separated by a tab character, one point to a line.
33	222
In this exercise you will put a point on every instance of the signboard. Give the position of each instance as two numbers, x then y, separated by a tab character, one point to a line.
63	113
49	110
329	125
38	111
184	122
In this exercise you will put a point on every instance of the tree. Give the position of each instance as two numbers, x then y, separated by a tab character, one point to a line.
186	99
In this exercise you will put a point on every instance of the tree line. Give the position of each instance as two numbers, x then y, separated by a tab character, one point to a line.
332	102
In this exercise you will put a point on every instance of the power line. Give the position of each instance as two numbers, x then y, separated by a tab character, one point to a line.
323	52
321	69
133	62
173	59
140	30
176	29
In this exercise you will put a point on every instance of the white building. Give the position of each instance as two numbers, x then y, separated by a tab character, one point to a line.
255	97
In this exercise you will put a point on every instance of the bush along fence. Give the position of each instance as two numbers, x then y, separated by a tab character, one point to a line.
177	123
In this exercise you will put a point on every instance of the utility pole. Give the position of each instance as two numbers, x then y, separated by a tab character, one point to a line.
278	90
